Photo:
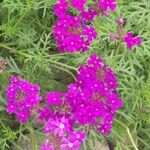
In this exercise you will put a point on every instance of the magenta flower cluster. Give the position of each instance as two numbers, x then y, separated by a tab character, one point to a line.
22	98
132	41
91	103
126	37
93	97
71	31
61	136
106	5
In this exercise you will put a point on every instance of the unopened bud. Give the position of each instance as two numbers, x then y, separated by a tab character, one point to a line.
120	21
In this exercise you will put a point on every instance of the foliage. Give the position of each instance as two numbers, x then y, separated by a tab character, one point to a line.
30	51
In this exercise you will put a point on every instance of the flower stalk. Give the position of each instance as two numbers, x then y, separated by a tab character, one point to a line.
33	137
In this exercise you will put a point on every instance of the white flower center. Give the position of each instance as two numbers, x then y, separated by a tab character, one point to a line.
70	144
11	106
61	126
72	43
32	89
74	88
78	136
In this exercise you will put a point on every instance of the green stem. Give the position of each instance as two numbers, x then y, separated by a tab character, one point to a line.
20	19
131	139
57	54
129	134
33	137
2	34
64	70
64	65
8	48
16	145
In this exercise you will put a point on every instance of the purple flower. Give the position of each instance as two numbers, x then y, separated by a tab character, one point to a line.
105	5
11	108
89	15
46	146
137	40
90	32
54	98
60	8
73	142
22	97
79	4
126	37
112	36
105	128
120	21
14	79
58	125
44	114
98	109
23	115
71	35
70	144
92	97
95	61
114	102
131	41
72	43
80	136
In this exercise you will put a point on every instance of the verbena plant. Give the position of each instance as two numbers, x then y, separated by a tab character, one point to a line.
30	51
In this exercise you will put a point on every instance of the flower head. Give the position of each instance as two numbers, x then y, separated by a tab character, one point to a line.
79	4
74	141
72	35
57	125
22	97
89	15
131	41
44	114
106	5
60	8
120	21
93	97
54	98
126	37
